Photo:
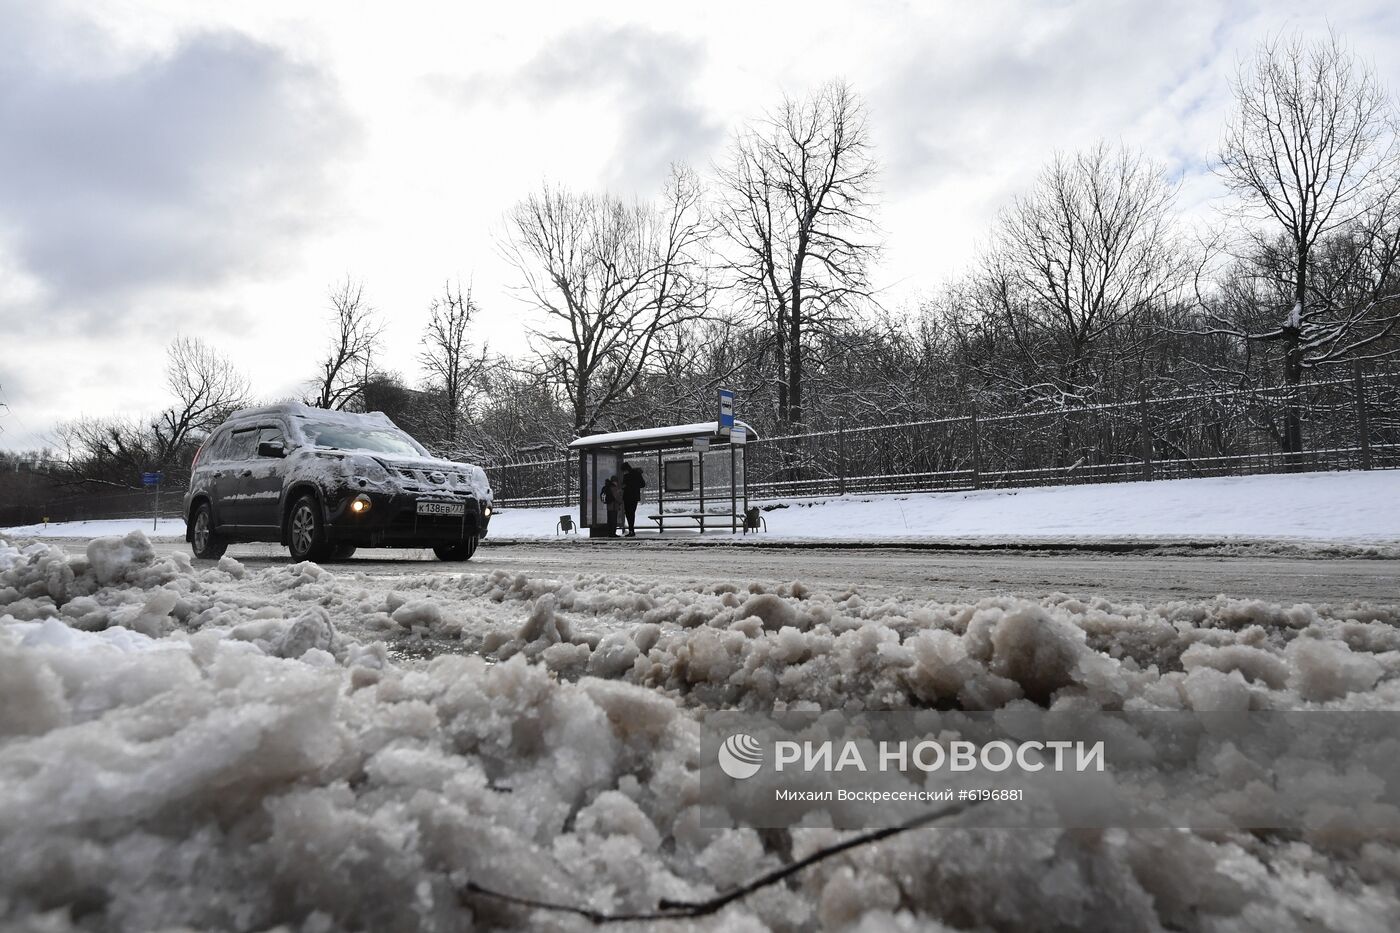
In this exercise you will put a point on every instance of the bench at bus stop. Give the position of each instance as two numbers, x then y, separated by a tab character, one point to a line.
752	520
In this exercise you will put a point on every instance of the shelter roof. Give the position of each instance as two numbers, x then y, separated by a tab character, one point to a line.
660	438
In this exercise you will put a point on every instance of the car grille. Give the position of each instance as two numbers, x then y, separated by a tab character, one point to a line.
455	483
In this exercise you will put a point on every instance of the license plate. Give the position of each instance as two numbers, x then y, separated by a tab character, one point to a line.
441	508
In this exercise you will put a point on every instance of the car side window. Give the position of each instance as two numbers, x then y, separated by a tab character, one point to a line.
241	445
217	448
271	436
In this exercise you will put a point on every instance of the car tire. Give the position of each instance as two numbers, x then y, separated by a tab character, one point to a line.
343	552
306	531
457	552
203	542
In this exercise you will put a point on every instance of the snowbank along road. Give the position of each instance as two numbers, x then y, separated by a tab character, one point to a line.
254	743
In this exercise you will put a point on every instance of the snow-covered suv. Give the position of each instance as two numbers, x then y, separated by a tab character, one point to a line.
325	482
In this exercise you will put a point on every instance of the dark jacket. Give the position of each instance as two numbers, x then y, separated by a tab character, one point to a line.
610	493
633	482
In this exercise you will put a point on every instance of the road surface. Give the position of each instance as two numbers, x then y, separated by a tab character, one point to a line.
931	574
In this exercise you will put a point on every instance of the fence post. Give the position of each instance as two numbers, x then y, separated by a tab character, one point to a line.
976	450
733	495
566	477
841	458
1363	430
1146	431
701	452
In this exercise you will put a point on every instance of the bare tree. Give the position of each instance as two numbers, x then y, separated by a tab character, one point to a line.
1076	267
206	388
1312	153
798	211
346	366
694	360
452	365
523	414
611	278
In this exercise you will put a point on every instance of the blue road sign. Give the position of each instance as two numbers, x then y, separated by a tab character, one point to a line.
151	479
726	410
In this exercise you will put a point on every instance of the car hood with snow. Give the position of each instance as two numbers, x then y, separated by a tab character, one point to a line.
409	474
435	471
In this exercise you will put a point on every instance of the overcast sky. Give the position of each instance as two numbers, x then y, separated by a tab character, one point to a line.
210	168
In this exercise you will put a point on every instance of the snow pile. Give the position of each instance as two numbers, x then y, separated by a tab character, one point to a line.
722	646
212	747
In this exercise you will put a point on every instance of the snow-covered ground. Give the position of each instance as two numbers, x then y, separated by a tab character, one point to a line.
1353	507
222	747
1358	507
167	529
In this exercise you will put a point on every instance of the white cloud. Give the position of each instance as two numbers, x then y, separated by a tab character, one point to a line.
639	86
190	166
180	171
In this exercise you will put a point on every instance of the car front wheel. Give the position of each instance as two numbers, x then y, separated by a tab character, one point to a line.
306	531
203	542
456	552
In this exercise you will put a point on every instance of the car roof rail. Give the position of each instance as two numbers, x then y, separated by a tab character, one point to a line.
300	409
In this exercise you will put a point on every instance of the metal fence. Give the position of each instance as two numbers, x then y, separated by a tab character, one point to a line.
1349	422
546	481
70	506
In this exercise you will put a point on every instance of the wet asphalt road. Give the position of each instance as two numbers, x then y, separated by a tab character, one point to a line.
957	575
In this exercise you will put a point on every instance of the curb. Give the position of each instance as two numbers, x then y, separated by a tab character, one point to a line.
1268	546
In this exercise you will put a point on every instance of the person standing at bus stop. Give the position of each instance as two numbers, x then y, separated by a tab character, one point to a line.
633	482
612	501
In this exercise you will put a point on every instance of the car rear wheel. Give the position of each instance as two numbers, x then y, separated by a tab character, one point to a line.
306	531
203	542
456	552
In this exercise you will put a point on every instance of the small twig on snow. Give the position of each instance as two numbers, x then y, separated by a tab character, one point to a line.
668	909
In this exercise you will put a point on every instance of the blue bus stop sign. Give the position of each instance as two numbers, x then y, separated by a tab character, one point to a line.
151	479
726	411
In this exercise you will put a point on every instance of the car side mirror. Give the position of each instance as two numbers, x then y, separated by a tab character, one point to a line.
272	449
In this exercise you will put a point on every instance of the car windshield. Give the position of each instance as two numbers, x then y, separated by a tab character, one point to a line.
347	437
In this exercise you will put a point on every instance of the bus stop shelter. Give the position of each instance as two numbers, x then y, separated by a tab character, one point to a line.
693	470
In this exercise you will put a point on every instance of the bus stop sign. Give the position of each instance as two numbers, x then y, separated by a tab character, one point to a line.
726	411
151	479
